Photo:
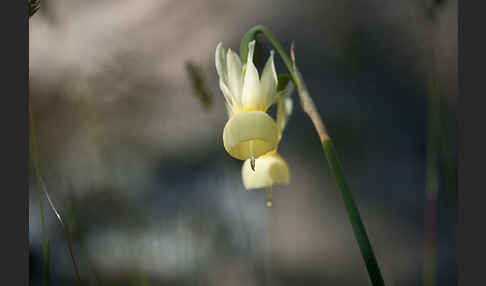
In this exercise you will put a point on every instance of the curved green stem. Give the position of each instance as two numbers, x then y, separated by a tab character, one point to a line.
331	154
251	35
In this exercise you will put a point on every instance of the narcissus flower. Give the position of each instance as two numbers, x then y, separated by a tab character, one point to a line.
272	169
250	132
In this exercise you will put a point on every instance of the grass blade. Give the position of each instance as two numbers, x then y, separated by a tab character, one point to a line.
33	147
64	228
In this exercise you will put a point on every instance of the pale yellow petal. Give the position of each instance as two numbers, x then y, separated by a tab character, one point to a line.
234	74
250	98
256	128
289	106
229	110
284	107
227	93
220	61
270	170
268	83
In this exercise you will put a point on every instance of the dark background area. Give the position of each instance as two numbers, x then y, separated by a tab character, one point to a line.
135	163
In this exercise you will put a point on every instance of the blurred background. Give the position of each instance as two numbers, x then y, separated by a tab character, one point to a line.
129	121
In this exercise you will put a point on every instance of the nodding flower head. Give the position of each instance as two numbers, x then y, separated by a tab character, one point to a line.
250	132
272	169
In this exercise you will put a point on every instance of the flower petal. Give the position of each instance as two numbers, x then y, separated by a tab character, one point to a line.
284	107
227	94
271	169
288	106
229	110
250	97
220	61
269	82
233	63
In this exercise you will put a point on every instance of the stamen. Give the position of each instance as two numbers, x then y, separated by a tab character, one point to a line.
252	157
268	192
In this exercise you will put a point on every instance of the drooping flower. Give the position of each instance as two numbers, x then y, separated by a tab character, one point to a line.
250	132
272	169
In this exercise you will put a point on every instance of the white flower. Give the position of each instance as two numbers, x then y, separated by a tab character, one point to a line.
250	132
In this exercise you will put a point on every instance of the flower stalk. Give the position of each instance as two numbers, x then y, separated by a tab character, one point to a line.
330	152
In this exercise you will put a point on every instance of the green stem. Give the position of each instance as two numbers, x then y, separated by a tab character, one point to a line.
353	214
331	154
33	146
